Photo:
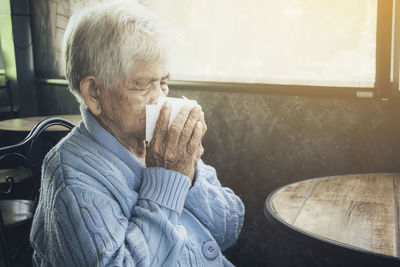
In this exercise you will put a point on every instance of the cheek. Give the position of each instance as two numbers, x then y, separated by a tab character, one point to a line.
134	110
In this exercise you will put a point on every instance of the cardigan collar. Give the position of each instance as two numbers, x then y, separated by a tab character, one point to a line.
92	128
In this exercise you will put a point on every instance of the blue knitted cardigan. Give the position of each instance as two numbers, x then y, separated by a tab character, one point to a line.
99	206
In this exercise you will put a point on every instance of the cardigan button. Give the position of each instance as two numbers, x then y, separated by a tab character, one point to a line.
210	250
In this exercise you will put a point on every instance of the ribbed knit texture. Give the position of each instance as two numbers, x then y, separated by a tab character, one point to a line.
169	192
99	206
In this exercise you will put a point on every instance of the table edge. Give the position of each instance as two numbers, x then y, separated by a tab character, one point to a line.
271	214
50	129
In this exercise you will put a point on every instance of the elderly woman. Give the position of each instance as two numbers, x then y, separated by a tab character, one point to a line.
107	198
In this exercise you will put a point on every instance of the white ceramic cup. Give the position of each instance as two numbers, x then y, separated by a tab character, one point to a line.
153	111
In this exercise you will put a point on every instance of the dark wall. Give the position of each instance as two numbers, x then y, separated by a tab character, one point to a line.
261	142
258	143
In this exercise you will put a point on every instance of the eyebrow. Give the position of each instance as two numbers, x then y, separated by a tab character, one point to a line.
162	78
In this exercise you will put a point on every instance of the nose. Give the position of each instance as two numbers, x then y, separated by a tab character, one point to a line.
157	92
165	89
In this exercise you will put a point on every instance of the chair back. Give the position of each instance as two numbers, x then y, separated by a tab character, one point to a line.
17	206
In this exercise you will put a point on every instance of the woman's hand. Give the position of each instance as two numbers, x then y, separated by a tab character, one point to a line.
178	148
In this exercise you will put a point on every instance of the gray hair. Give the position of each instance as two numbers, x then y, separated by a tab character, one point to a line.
107	39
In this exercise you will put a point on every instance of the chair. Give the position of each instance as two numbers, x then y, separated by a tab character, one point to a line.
17	208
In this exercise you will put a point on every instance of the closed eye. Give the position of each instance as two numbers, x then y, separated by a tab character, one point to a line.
141	86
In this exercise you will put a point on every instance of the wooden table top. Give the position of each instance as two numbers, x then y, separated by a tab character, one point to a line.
26	124
359	211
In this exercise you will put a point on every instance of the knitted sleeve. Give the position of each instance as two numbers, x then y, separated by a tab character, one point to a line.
216	207
92	230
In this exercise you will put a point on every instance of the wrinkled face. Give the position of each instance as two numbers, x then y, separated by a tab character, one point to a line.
124	108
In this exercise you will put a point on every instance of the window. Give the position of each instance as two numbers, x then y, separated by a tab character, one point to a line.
341	48
302	42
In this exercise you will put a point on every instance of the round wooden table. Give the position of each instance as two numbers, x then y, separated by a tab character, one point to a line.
349	220
27	124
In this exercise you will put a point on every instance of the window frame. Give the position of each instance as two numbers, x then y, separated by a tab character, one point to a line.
383	88
395	53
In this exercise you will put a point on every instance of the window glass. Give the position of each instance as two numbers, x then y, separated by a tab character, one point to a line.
306	42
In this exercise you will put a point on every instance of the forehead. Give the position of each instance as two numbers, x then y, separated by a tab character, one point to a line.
149	69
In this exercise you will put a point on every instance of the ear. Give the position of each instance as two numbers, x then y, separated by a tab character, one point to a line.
90	88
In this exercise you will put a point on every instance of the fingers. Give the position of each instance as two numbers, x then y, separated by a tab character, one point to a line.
161	129
190	123
178	125
204	124
195	140
201	151
178	148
